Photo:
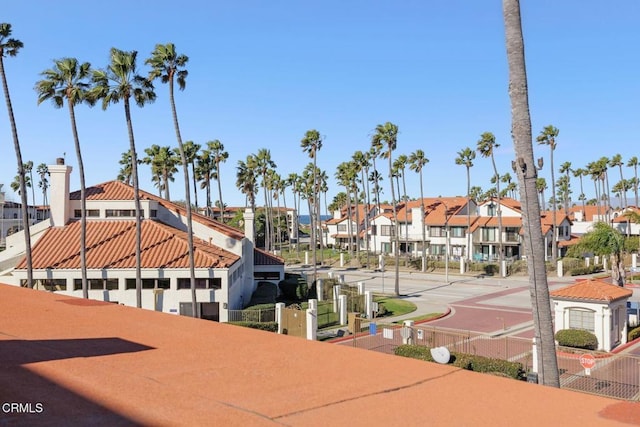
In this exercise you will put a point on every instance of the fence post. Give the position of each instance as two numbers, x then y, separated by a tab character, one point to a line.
312	322
560	269
634	261
306	257
534	355
587	262
342	304
336	296
407	332
368	303
279	308
360	288
604	263
320	289
342	259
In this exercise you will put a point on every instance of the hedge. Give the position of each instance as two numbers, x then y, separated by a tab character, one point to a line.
579	271
633	334
469	362
294	288
267	326
577	338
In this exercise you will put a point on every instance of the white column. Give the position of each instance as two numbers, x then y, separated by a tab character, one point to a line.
503	268
634	260
312	324
596	260
313	304
279	307
368	302
604	263
306	257
462	265
360	288
534	355
320	289
336	297
381	262
560	269
407	332
341	259
587	262
342	304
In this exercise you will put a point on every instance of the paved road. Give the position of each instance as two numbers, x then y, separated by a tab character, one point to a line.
484	304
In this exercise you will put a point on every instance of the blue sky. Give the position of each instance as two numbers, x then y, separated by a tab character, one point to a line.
262	73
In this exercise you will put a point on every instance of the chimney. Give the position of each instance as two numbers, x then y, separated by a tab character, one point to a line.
59	199
249	228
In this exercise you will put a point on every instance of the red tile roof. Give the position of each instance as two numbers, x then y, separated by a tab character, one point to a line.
492	221
111	244
592	290
118	190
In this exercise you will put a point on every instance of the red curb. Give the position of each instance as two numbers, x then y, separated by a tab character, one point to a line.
625	346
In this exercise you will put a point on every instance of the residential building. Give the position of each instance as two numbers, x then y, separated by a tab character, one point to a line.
227	265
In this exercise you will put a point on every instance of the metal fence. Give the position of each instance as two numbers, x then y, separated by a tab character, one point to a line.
616	376
258	316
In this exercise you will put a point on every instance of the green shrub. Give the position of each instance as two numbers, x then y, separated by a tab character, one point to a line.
467	361
262	306
265	293
577	338
294	288
633	334
579	271
267	326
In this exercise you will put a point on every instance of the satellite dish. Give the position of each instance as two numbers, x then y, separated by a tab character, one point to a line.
441	355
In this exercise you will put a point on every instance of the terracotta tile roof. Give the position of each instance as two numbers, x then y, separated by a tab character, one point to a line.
573	240
492	221
592	290
437	211
622	218
118	190
589	211
262	257
546	217
111	244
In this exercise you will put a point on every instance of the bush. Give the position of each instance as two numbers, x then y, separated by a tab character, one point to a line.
467	361
634	334
265	293
267	326
294	288
577	338
579	271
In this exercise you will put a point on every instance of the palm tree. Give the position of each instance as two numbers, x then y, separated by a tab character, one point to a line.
606	240
345	176
541	185
191	151
401	165
565	168
125	172
633	163
417	161
219	156
294	181
375	177
526	170
264	164
28	169
9	47
361	161
205	170
548	137
617	161
579	173
311	143
386	136
163	161
121	82
69	81
43	171
486	147
247	179
465	158
594	169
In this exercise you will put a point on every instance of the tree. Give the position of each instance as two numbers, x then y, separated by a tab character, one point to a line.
400	164
9	47
191	150
43	171
28	169
527	174
246	179
264	163
219	156
579	173
486	147
541	185
386	138
163	161
633	163
119	81
548	137
417	161
125	173
68	81
606	240
617	161
465	158
205	170
565	168
311	143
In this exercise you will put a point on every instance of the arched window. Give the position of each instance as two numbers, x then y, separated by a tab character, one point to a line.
582	318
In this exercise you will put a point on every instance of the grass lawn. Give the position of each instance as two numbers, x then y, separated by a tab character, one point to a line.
423	317
395	306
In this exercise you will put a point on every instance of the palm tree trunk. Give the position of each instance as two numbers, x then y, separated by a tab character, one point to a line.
554	226
83	203
23	186
469	249
423	266
526	170
187	192
396	251
220	192
195	183
136	200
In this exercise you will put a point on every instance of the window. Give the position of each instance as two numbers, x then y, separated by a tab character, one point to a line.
437	249
457	231
491	209
387	230
437	232
373	229
582	319
266	275
214	283
148	284
488	234
511	234
91	213
51	285
97	284
111	213
342	228
153	213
